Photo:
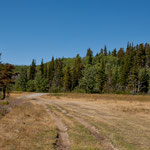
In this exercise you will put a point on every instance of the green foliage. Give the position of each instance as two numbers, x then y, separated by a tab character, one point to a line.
51	71
21	82
133	80
140	56
77	71
67	79
89	56
6	78
31	86
88	82
58	74
100	77
32	72
105	50
41	84
144	82
106	72
42	68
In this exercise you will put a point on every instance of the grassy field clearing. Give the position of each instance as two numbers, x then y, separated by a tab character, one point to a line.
123	119
92	122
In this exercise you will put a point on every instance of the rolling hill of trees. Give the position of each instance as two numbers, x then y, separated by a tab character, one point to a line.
122	71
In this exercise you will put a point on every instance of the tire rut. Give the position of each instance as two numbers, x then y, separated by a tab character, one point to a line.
62	142
107	145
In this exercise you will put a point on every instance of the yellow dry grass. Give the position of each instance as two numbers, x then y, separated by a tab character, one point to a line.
27	127
123	119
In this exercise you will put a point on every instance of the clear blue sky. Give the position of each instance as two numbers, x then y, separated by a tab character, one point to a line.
45	28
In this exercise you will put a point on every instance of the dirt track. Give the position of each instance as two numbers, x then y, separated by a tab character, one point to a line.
63	141
105	121
77	124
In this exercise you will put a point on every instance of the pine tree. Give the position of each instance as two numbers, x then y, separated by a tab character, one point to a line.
114	53
89	55
105	50
32	71
67	79
58	74
51	71
147	52
140	56
42	68
128	62
120	56
77	71
101	77
144	82
133	80
45	71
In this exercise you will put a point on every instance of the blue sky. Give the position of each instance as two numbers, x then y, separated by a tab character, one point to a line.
45	28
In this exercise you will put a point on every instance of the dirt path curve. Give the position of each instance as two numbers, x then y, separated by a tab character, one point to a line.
63	142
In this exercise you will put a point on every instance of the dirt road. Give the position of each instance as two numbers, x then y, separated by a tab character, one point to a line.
94	124
63	138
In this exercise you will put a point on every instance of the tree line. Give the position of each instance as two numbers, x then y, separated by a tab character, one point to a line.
117	71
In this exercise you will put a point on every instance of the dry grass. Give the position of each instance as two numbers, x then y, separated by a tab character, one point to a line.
27	127
97	97
80	137
124	119
15	94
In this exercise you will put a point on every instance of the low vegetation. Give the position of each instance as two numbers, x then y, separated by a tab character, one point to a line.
27	127
124	122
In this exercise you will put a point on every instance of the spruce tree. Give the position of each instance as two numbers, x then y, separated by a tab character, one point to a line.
101	77
51	71
144	82
114	53
45	71
77	71
147	52
89	56
58	74
128	62
120	56
42	68
140	56
32	71
105	50
133	80
67	79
